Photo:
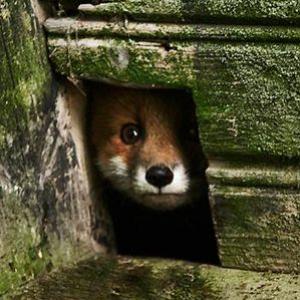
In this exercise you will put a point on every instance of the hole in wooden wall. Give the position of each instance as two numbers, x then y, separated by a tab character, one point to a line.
158	212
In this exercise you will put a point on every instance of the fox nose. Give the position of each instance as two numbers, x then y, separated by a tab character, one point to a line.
159	176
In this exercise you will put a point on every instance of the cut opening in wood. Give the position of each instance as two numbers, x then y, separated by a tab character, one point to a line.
150	167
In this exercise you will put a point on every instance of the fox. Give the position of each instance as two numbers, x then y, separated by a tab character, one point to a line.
146	144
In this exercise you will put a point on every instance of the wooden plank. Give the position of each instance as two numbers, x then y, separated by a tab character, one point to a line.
260	11
24	78
259	80
127	278
256	212
250	174
257	228
76	27
46	208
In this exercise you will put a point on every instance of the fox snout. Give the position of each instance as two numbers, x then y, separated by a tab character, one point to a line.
159	176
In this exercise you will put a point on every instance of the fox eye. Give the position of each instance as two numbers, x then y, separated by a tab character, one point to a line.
130	134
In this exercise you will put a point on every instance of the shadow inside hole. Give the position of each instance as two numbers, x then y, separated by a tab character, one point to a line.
185	232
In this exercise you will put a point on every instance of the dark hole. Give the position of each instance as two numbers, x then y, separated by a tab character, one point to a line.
185	233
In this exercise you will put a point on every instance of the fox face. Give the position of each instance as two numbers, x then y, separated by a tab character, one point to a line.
146	144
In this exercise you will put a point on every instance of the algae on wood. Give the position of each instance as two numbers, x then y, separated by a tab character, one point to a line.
128	278
45	217
248	94
24	81
96	28
213	11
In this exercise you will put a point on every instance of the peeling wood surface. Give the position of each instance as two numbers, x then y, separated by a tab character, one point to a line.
216	11
75	27
127	278
45	208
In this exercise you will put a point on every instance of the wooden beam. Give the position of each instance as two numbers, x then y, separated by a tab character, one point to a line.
243	12
128	278
75	27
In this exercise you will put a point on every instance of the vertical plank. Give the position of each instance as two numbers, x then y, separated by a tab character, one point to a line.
46	212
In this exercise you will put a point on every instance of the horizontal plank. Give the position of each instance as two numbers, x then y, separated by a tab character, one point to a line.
257	228
259	11
129	278
251	174
90	28
247	93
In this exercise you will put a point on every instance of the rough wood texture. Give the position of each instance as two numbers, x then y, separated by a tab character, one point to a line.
45	202
226	78
258	11
90	28
247	174
247	96
127	278
257	228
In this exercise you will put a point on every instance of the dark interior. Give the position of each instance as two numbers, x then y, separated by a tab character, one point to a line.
185	233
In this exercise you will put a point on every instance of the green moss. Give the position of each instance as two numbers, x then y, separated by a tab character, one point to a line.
25	73
32	237
247	94
241	173
23	250
250	98
182	10
74	27
24	81
262	224
126	61
125	278
128	278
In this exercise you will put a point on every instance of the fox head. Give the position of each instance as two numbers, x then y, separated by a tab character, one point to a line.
146	144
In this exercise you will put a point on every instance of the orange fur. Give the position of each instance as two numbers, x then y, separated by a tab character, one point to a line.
166	117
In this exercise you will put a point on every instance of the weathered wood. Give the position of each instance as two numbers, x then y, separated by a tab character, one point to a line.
46	208
246	174
227	79
127	278
247	96
283	11
25	82
257	228
75	27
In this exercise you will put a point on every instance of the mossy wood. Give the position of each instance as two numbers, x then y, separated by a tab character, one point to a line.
127	278
45	208
246	83
178	11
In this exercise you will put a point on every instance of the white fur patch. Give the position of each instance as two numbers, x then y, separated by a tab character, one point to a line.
179	185
141	184
117	166
180	182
